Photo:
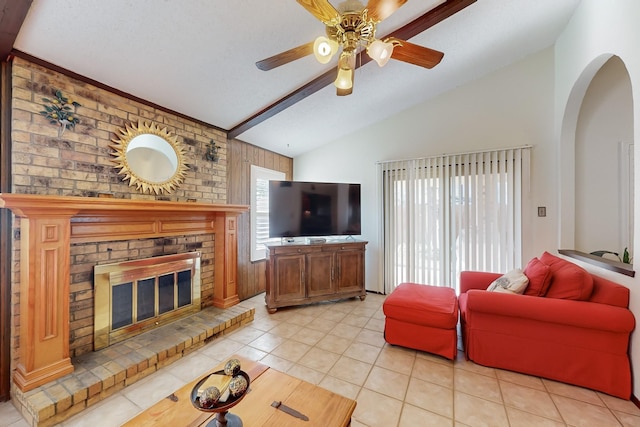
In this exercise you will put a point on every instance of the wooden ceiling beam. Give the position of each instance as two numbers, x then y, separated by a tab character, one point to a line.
12	15
412	29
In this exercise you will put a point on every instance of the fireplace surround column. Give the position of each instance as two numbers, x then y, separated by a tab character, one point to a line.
48	227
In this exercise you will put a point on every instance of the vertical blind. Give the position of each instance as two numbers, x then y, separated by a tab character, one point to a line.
442	215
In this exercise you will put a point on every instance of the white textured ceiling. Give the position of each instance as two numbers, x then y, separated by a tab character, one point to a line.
198	57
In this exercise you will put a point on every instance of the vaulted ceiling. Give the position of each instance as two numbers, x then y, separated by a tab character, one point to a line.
197	57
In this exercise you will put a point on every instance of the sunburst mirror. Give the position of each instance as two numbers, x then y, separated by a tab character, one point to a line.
149	157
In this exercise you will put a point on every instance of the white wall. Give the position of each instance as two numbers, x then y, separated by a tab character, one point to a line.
605	125
508	108
598	30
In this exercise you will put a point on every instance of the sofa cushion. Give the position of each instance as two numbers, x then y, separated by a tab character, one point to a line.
514	282
568	280
539	275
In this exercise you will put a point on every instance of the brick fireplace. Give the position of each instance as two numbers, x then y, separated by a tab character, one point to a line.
50	225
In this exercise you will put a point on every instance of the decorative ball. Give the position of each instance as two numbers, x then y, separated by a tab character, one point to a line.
209	397
232	367
238	385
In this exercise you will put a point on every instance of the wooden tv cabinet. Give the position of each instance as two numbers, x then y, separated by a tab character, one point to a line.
299	273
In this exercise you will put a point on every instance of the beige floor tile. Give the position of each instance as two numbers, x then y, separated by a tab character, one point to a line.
221	348
477	412
305	373
371	337
267	342
466	365
477	385
152	389
350	370
291	350
578	413
397	359
364	311
319	359
285	330
529	400
251	353
434	358
322	325
9	414
434	372
375	325
334	343
621	405
265	323
627	420
112	412
362	352
387	382
377	410
308	336
344	330
192	366
521	418
245	335
353	320
522	379
413	416
301	319
431	397
276	362
339	386
332	316
573	392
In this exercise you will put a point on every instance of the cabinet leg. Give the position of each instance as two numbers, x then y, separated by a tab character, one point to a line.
362	297
271	310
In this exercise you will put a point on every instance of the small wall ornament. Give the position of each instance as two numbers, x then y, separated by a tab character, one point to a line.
212	152
61	111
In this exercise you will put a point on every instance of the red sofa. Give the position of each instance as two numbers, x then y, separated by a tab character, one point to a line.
577	334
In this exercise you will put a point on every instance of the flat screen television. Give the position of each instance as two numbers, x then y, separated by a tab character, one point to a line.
298	209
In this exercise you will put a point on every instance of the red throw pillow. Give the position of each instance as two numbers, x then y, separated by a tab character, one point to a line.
539	275
568	281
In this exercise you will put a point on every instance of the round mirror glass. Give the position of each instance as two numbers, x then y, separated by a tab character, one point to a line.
150	158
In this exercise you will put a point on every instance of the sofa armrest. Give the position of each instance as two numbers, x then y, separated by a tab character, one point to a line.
582	314
476	280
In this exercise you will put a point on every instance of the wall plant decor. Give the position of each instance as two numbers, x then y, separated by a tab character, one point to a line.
61	111
149	157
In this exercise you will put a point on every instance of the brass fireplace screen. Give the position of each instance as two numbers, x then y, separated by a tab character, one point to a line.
135	296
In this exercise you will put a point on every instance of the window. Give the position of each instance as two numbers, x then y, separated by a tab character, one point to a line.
260	209
446	214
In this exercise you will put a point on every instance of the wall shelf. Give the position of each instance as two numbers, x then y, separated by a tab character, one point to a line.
608	264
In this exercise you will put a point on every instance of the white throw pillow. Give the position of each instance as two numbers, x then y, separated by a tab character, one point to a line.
514	282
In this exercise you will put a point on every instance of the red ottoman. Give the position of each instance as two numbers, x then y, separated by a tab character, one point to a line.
422	317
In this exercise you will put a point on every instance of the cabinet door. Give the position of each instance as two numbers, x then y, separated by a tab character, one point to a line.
350	270
289	277
320	274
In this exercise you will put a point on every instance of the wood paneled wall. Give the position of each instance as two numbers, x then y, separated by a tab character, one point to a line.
240	157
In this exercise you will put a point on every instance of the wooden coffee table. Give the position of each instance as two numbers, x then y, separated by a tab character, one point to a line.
323	407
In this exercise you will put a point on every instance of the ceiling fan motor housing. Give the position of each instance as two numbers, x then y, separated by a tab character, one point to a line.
353	27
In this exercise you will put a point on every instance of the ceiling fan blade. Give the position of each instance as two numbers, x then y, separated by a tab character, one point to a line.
414	54
321	9
382	9
285	57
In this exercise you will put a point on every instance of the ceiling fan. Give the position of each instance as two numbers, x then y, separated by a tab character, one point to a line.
352	30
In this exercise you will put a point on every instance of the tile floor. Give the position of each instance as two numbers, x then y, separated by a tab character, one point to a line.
340	346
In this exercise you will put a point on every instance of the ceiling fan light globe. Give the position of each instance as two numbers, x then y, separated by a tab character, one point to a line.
344	79
380	52
324	49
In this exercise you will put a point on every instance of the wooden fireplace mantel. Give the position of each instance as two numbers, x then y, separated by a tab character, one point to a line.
48	227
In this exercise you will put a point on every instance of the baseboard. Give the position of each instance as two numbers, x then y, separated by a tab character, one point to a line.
635	400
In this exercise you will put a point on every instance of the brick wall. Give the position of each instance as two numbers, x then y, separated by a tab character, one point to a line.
79	163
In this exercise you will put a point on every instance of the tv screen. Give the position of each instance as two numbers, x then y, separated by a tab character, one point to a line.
299	209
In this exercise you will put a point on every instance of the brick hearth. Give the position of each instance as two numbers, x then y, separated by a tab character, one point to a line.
100	374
